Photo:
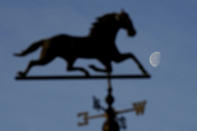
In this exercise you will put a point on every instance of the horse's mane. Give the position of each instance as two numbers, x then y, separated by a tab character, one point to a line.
102	23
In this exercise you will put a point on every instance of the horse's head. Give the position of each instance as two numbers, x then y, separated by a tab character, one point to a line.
126	23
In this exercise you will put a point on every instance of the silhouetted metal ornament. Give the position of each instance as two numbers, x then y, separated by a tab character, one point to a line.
96	104
111	123
100	45
109	99
122	122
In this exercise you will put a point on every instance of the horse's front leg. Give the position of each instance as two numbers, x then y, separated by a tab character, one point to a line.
106	63
123	57
70	67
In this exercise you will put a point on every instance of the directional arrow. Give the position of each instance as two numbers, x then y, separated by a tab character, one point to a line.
138	107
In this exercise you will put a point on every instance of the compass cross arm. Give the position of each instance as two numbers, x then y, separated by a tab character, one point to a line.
125	111
86	118
138	107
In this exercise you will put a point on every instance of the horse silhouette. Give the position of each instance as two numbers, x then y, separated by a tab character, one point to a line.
98	44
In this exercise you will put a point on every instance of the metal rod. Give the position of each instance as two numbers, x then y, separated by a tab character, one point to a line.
96	116
125	111
62	77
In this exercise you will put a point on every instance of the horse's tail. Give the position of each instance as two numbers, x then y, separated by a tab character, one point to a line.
30	49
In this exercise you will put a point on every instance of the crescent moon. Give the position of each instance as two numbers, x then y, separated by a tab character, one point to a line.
154	59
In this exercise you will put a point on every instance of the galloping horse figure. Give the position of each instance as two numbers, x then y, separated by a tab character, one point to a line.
98	44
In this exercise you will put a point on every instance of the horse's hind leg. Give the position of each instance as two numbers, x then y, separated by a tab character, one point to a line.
123	57
32	63
71	68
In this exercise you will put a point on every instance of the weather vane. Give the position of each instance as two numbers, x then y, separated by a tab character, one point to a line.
98	44
112	123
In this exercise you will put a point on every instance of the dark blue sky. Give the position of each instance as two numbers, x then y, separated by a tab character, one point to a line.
166	26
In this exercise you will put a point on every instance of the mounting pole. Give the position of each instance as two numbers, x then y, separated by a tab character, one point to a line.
111	123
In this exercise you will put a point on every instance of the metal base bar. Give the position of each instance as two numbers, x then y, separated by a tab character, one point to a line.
63	77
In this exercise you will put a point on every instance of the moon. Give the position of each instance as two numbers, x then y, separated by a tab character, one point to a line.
154	59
